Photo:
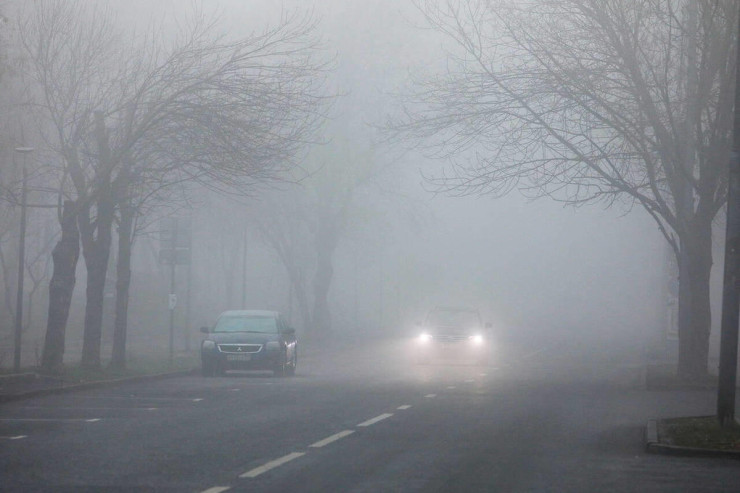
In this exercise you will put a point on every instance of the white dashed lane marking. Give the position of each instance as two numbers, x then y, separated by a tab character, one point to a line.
451	387
374	420
271	465
404	407
331	439
217	489
430	396
17	437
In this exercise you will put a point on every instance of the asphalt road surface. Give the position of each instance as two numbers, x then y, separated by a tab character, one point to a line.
361	419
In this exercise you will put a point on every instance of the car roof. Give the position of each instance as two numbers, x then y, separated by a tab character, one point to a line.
454	309
250	313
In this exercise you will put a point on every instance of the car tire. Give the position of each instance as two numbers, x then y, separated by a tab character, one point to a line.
207	369
281	366
293	363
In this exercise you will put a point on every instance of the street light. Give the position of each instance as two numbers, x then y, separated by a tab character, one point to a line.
21	264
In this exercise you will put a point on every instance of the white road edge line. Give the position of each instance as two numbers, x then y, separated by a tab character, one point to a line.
430	396
73	408
51	420
374	420
333	438
271	465
404	407
216	489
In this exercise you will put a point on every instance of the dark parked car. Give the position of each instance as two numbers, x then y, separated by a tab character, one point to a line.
249	340
454	333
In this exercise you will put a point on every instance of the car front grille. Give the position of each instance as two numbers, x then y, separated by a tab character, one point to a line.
451	337
239	348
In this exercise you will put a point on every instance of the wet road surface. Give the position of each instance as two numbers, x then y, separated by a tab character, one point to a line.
361	419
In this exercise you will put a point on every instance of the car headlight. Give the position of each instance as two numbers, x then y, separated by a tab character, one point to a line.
424	337
477	339
272	345
208	345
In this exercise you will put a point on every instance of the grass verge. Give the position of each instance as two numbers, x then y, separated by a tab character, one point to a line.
701	432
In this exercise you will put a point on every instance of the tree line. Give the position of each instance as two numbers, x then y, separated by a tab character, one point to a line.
128	123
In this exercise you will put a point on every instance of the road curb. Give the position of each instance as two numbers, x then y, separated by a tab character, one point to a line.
18	377
90	385
654	446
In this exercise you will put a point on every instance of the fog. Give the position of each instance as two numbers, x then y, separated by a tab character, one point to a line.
367	245
538	270
534	268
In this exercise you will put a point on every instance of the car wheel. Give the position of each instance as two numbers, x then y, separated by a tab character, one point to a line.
293	363
281	366
207	369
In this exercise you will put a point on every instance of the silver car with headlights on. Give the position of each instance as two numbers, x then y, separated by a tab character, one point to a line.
453	334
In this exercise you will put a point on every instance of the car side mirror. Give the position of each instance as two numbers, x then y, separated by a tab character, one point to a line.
205	330
289	331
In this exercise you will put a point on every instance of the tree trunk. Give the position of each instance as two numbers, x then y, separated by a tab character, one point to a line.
96	243
695	318
299	290
326	243
65	256
123	282
96	252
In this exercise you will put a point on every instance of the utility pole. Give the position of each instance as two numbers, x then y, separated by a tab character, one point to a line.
730	301
21	265
173	295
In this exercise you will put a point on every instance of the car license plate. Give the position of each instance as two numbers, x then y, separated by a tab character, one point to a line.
238	357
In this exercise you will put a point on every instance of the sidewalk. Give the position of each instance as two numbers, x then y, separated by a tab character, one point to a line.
18	386
29	384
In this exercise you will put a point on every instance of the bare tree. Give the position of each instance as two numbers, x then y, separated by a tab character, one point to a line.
589	101
306	225
126	120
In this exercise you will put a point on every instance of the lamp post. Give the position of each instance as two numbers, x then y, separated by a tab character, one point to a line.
21	265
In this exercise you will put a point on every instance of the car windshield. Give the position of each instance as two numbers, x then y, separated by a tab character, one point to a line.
463	319
242	323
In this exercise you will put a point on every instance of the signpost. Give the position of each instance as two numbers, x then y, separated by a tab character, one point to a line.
175	239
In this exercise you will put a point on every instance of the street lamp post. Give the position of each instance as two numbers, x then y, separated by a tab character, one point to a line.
21	265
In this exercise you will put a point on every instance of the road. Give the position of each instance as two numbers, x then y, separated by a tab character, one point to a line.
362	420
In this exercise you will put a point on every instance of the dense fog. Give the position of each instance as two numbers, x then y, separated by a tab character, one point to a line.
536	269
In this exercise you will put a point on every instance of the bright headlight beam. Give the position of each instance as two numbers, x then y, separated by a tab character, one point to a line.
424	337
477	339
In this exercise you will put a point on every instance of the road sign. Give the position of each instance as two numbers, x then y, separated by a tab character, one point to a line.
182	256
177	230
